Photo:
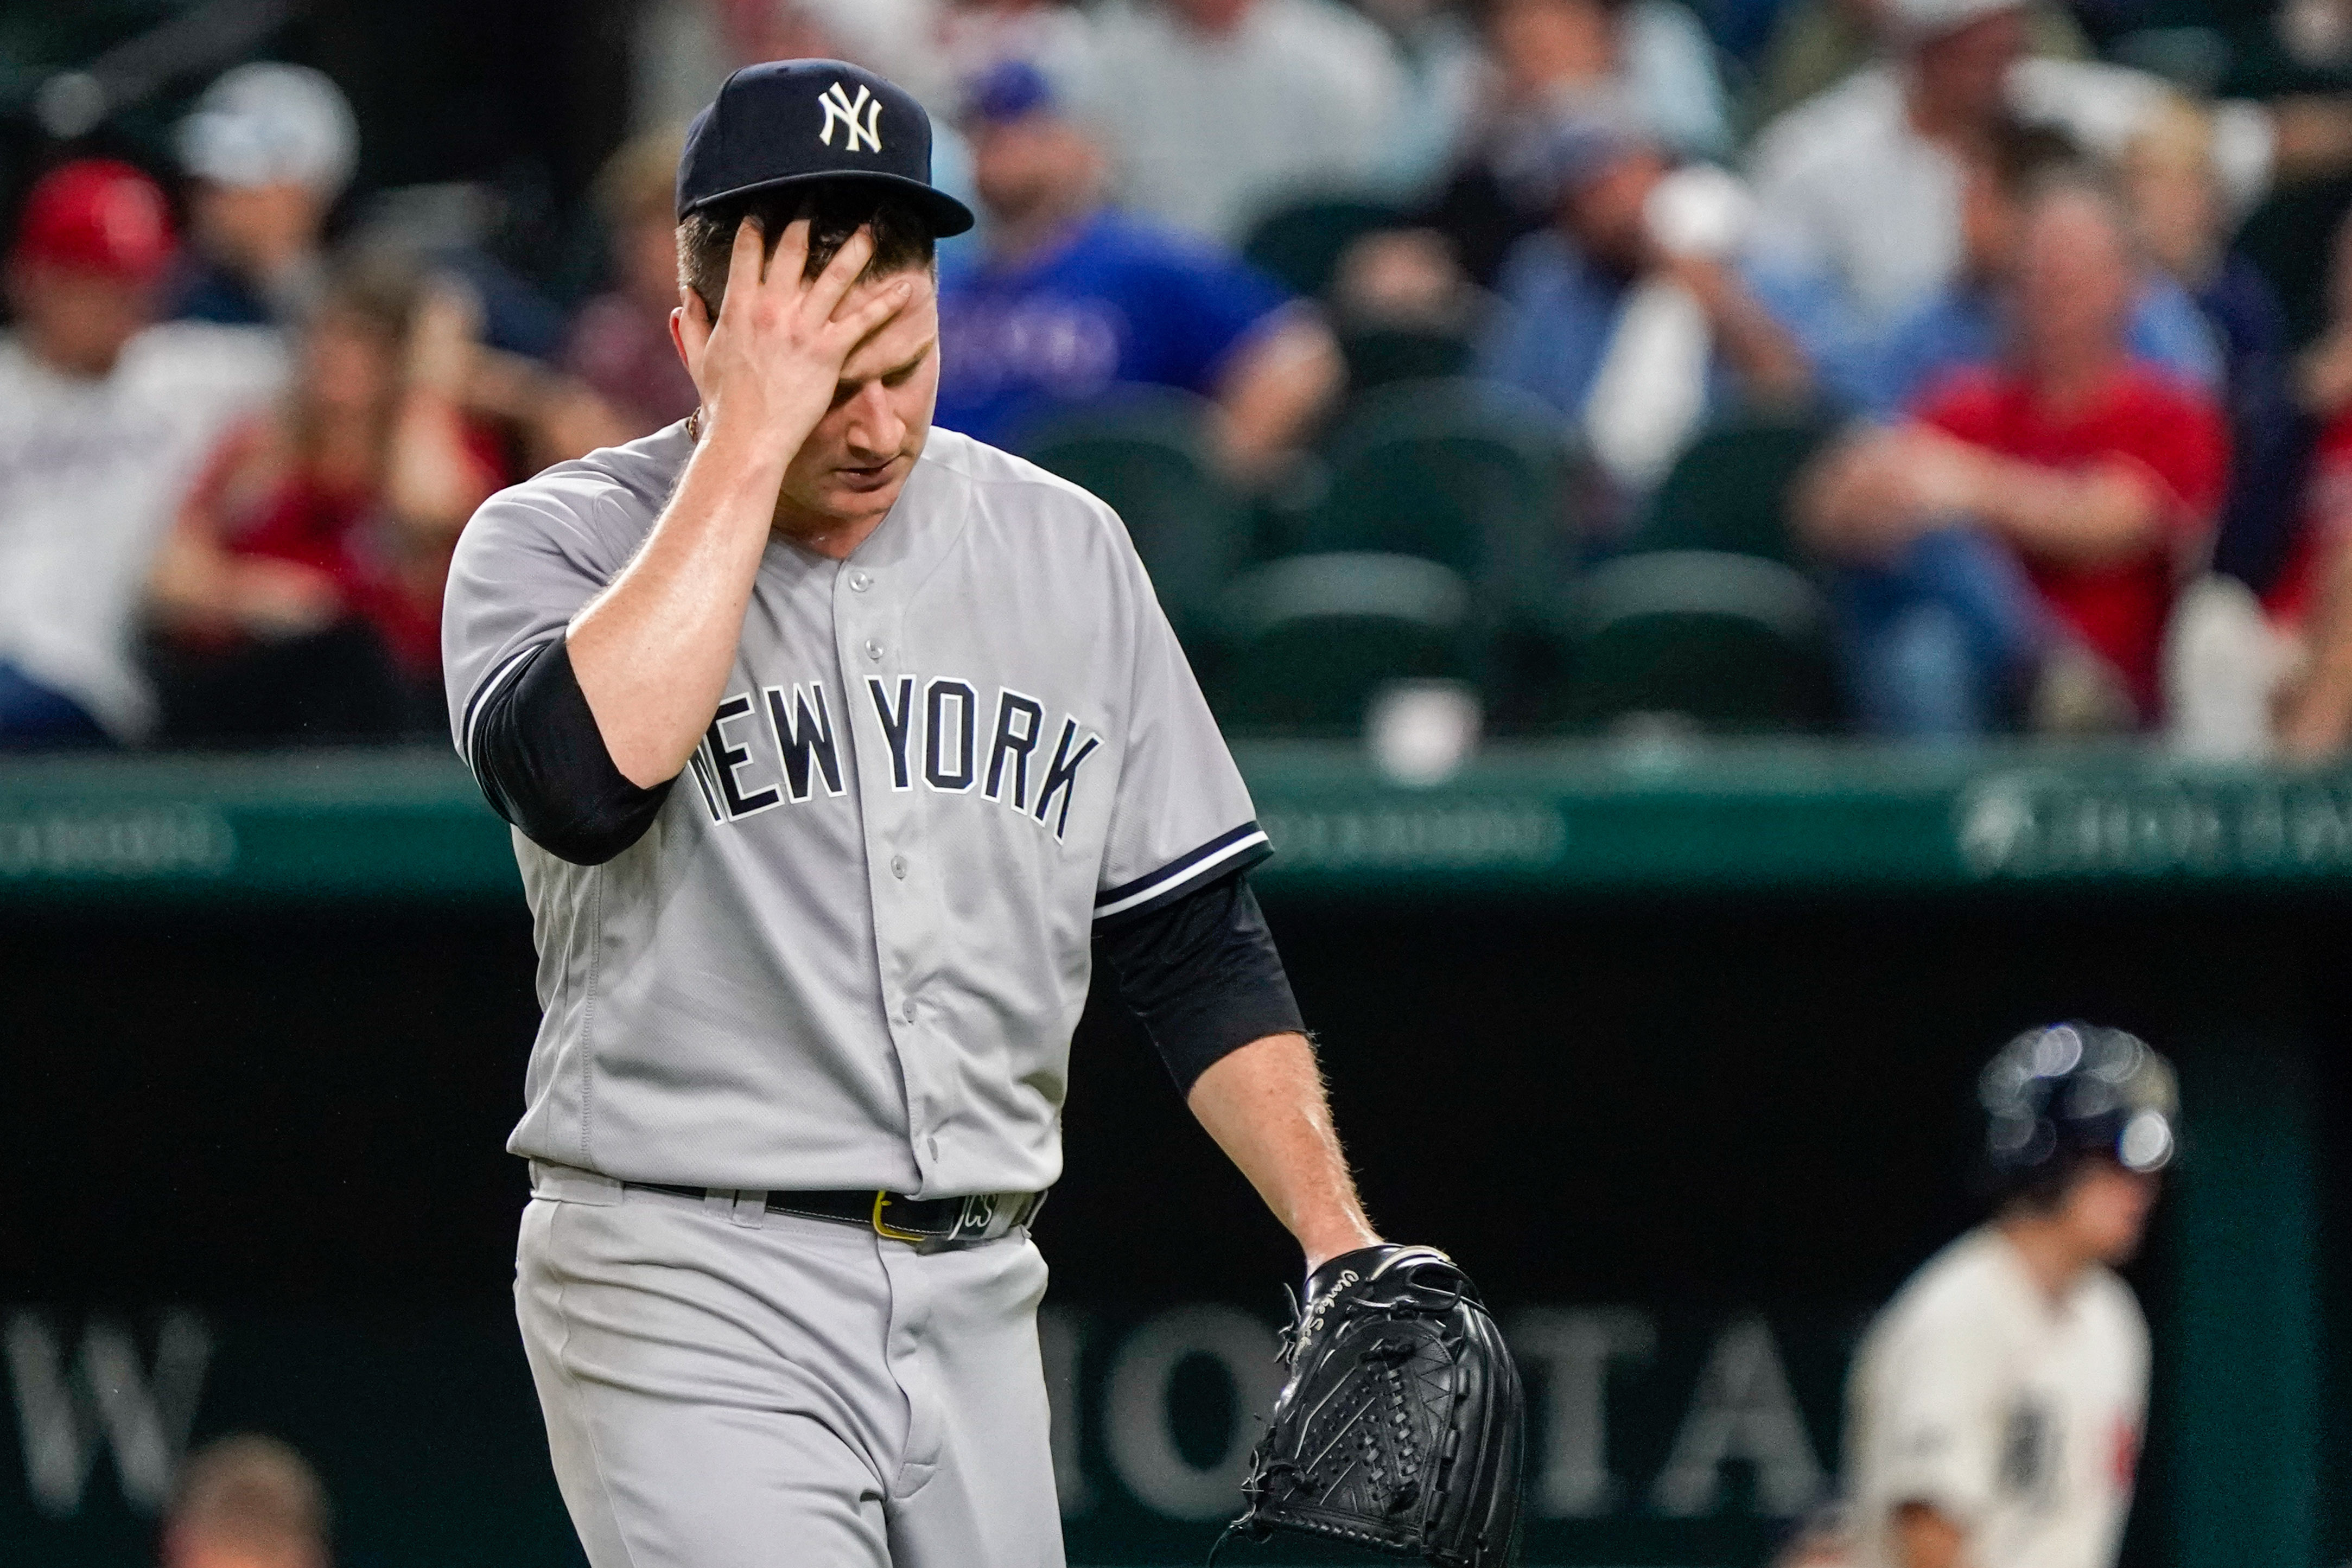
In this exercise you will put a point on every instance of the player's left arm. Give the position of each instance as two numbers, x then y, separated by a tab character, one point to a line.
1202	974
1265	1107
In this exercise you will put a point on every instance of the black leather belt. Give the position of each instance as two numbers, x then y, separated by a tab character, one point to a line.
982	1216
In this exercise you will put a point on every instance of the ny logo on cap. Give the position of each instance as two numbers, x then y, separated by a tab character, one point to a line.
840	107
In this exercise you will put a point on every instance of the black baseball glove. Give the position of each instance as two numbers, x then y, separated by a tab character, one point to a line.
1400	1426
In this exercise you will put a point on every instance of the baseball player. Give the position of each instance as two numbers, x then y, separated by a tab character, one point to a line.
1996	1407
836	748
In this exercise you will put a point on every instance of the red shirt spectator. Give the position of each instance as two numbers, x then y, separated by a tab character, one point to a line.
310	519
329	525
2142	417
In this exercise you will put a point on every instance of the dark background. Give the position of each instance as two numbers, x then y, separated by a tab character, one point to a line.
292	1119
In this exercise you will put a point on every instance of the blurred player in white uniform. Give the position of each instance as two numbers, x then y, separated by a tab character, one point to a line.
1996	1407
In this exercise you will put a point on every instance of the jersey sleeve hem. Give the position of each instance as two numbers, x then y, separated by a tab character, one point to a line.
1235	849
490	688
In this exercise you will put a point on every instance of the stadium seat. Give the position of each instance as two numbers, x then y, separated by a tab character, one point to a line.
1708	639
1380	356
1147	455
1303	644
1459	472
1301	243
1730	490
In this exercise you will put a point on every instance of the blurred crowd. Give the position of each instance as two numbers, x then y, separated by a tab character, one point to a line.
2066	467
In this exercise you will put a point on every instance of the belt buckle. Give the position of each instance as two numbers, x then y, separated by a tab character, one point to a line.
887	1230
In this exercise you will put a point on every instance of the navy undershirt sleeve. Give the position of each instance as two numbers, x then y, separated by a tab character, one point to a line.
1203	976
542	765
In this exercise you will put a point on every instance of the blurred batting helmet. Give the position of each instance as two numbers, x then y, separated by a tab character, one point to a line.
2063	1091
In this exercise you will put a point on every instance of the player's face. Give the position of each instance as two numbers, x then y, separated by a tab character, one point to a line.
2105	1210
853	463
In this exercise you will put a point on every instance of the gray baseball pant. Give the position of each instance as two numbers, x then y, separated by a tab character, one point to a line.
729	1388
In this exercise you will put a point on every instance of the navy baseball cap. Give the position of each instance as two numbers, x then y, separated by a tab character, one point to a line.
796	122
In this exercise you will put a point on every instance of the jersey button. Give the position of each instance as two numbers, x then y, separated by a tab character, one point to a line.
898	867
873	649
907	1010
859	581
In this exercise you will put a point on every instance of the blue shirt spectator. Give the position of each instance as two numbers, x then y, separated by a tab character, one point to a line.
1069	300
1960	328
1560	314
1644	309
1119	301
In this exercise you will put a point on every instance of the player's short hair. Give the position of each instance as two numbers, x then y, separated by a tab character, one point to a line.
252	1491
835	209
2042	1190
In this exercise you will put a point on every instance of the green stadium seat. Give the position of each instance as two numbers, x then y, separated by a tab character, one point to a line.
1147	455
1380	356
1304	642
1301	243
1730	490
1463	473
1716	640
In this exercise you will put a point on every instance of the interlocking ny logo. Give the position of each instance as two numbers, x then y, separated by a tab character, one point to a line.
840	108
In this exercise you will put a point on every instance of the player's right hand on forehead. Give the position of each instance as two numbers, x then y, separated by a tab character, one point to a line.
768	366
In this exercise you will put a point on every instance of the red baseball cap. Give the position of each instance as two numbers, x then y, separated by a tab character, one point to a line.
96	215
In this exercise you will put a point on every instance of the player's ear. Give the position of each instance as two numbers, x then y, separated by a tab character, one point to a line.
689	332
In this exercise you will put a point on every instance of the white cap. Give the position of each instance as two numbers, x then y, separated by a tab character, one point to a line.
1922	21
265	124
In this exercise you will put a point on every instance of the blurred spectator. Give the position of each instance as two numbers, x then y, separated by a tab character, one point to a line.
620	344
103	420
267	150
1639	310
2184	220
1445	76
2309	597
2027	529
1962	325
1405	278
1547	57
1817	44
1867	177
905	40
247	1502
1073	299
1055	37
1221	109
300	592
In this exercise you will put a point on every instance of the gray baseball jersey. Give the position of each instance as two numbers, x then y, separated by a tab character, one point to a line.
852	947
